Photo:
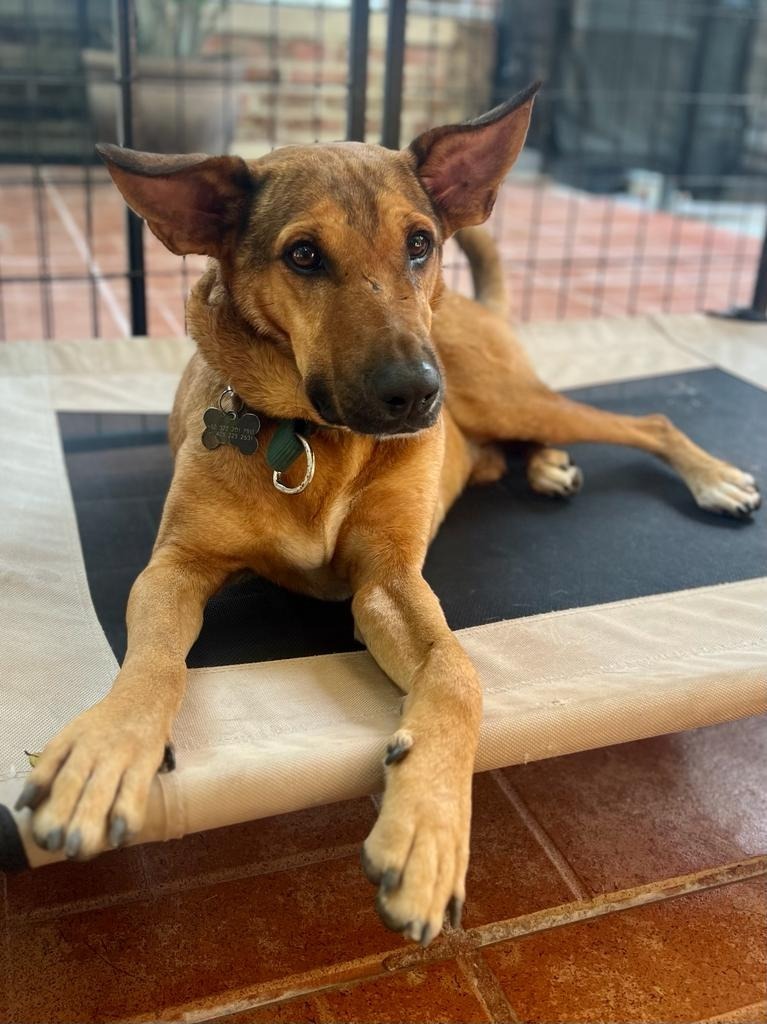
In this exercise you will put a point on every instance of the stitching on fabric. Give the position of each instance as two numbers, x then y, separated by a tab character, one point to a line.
622	666
478	630
360	718
629	602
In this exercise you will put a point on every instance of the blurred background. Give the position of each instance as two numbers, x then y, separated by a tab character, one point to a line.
642	189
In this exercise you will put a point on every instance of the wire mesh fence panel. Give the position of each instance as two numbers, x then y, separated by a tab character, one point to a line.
639	189
642	187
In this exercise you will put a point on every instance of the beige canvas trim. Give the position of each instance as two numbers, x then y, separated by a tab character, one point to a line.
582	353
140	374
263	739
737	346
54	657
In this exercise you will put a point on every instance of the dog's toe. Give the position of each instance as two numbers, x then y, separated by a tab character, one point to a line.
551	472
90	788
727	491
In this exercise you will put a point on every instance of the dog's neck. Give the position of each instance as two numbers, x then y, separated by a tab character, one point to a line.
262	374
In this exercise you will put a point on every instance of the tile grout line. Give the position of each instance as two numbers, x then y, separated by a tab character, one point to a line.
623	899
488	990
542	837
457	944
154	890
755	1013
588	909
278	991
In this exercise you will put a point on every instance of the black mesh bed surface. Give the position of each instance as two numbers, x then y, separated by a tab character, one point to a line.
503	551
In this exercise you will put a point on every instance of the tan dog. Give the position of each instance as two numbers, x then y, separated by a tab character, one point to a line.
324	302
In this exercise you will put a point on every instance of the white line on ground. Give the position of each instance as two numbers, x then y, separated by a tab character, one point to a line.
81	244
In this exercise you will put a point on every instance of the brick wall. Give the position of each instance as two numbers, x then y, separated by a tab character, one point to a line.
295	72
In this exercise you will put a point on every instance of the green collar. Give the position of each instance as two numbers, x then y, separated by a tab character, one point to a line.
285	446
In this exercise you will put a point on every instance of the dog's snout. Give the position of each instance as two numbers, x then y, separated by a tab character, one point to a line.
406	389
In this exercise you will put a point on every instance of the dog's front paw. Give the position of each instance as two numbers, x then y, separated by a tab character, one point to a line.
90	788
726	490
550	472
418	851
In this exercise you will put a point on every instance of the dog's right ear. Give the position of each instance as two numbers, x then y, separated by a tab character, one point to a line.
190	202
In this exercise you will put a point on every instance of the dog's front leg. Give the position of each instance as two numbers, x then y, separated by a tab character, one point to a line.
418	850
92	782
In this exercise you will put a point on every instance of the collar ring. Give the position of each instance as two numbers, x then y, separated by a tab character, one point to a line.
308	475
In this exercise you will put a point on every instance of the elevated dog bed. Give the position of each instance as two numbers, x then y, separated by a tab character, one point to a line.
621	614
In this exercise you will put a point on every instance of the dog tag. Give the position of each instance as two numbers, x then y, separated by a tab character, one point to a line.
237	429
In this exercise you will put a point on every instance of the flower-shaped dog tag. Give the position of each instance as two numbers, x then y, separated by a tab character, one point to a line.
239	430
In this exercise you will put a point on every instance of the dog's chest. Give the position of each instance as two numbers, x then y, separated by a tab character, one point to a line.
300	548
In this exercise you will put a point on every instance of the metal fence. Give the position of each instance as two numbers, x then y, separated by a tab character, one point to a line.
642	187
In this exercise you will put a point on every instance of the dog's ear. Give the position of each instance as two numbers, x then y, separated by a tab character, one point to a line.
461	166
190	202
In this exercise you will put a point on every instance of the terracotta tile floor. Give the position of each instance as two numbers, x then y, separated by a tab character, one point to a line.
567	254
617	885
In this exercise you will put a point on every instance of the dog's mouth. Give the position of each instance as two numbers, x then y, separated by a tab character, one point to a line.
363	412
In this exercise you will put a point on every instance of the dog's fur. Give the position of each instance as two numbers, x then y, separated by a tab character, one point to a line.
310	346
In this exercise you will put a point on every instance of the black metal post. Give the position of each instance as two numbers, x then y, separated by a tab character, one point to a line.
692	114
356	104
125	45
757	312
759	301
395	61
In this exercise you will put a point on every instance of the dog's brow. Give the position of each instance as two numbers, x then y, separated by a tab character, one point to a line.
364	186
355	193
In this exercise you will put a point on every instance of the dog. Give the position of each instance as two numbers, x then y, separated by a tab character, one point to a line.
339	401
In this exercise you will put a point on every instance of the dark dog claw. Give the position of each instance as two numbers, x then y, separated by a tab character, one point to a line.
388	919
426	935
398	748
54	840
390	880
28	796
117	832
73	844
395	753
455	911
168	763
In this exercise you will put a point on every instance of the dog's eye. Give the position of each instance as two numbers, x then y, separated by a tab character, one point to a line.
304	256
418	246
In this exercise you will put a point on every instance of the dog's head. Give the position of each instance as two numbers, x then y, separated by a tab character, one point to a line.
333	252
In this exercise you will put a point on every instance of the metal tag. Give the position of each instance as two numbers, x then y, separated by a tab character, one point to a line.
237	429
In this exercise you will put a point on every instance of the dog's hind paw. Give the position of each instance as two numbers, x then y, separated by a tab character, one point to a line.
727	491
550	472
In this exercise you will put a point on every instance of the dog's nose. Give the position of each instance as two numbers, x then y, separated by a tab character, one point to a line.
405	388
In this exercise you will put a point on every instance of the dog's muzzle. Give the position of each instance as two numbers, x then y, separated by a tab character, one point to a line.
397	397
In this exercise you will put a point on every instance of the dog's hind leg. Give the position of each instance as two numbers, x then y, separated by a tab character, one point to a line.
549	418
493	394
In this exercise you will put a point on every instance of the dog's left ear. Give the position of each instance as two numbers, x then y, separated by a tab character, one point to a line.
461	166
